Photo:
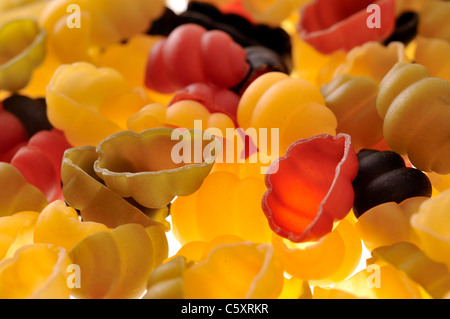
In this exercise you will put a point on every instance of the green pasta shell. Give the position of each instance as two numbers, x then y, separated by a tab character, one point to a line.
433	276
84	191
156	165
22	49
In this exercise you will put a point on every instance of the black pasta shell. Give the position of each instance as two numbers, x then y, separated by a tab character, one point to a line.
383	177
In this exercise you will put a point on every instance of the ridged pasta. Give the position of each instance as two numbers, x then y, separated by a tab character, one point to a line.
353	100
294	106
191	54
416	112
383	177
434	22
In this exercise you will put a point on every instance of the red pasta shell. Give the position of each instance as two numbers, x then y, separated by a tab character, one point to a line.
310	187
13	135
40	162
330	25
191	54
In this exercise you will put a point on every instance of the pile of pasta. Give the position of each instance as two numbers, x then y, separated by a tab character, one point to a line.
275	140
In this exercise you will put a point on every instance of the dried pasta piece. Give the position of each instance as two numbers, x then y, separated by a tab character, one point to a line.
375	282
191	54
16	231
439	182
90	103
331	26
13	135
434	20
430	224
227	203
154	166
353	100
434	277
372	59
59	225
94	24
240	270
17	195
40	160
389	223
311	187
85	191
117	264
323	262
132	67
22	49
295	288
416	110
383	177
20	278
434	54
293	106
166	281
